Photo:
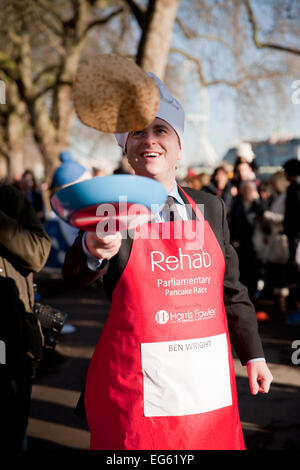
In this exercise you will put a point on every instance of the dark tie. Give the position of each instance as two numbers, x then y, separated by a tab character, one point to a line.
171	210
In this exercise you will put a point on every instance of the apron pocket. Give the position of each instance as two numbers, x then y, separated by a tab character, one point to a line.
186	377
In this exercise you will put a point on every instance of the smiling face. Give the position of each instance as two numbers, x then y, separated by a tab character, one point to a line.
154	152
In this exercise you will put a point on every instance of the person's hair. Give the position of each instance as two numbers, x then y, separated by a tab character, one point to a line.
264	186
241	161
217	170
246	183
29	172
204	178
279	181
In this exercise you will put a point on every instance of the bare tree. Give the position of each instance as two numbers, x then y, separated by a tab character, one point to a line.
41	42
56	32
248	49
255	28
156	24
41	45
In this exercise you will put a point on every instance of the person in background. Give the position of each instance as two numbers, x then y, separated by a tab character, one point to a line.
192	179
28	186
292	230
245	154
271	244
195	180
69	172
220	186
245	167
24	248
61	233
229	168
204	179
265	194
245	211
243	172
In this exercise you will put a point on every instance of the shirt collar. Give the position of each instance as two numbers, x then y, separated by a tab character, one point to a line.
175	194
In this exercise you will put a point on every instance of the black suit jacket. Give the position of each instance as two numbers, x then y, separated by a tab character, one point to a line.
242	323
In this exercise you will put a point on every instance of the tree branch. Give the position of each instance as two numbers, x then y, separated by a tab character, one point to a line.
261	45
4	154
139	15
190	34
52	38
44	72
55	83
99	22
148	18
229	83
46	7
8	66
195	61
14	37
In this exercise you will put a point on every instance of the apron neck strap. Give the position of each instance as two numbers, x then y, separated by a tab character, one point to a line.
194	206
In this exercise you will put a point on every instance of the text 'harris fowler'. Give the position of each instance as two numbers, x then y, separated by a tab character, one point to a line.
181	261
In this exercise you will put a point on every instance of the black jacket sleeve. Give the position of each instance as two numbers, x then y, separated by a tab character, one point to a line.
241	317
242	323
21	233
75	269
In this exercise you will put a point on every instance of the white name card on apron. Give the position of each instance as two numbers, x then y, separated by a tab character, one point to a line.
186	376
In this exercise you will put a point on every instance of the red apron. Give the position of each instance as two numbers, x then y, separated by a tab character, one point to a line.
162	376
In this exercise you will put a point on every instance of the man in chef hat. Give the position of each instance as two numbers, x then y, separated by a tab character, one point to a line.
154	152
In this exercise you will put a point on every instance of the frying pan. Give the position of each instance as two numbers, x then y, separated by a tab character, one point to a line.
108	204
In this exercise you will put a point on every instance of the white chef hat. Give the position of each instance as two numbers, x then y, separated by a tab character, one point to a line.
169	109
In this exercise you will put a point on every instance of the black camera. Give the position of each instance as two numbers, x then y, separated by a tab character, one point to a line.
52	321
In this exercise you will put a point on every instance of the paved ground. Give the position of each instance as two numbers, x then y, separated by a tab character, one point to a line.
270	422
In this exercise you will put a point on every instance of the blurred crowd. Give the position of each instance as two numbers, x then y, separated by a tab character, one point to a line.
264	221
263	215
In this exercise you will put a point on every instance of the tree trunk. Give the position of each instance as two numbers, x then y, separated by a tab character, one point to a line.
157	36
14	133
15	150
